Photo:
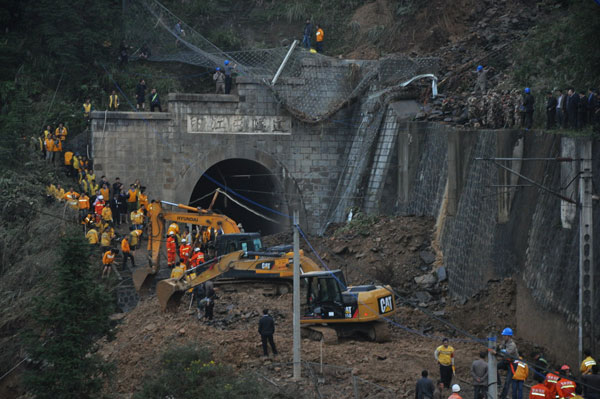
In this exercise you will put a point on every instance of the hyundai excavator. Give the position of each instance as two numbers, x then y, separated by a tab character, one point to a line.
143	276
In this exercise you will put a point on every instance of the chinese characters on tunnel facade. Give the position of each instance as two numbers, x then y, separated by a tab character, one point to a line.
239	124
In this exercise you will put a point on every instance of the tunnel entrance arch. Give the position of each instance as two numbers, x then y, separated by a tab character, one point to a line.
252	180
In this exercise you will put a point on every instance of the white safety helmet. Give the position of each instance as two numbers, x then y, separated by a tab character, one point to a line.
455	388
183	240
100	197
197	250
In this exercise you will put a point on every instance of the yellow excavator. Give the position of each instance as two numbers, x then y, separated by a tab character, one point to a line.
330	309
143	276
269	273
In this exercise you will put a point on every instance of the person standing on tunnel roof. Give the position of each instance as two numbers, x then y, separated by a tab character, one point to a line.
140	94
444	355
320	35
481	81
307	34
219	78
154	101
228	70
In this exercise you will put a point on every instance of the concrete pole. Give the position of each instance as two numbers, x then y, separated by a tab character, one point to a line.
297	364
586	254
492	369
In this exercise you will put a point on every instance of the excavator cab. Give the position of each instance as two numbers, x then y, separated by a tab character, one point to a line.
332	310
323	295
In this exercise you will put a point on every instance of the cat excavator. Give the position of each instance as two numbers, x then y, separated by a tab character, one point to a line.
266	272
330	309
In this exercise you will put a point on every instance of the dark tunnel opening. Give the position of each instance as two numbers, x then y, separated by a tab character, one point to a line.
253	181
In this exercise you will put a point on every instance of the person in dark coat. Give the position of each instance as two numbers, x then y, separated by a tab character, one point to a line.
592	105
140	94
266	329
307	34
114	207
528	102
550	111
572	105
582	111
425	387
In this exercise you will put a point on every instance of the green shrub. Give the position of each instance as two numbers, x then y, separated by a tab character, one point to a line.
189	372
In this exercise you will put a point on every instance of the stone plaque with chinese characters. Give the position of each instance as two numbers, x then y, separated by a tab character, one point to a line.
239	124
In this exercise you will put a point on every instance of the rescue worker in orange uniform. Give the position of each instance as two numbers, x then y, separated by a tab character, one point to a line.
455	392
171	250
184	251
84	205
550	383
99	207
132	194
197	258
143	199
540	391
520	372
107	260
565	387
126	252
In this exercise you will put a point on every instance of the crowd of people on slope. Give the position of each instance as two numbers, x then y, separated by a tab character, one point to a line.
551	382
567	108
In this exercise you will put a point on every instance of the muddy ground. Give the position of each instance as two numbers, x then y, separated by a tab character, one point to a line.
391	250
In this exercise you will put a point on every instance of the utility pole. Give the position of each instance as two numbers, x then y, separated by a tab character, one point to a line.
492	370
297	364
586	253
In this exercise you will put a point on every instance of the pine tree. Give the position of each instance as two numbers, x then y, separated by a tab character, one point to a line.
69	316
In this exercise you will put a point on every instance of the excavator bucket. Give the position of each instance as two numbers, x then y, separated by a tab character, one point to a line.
143	278
169	293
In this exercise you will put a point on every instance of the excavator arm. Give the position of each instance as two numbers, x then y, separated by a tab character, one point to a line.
143	276
246	266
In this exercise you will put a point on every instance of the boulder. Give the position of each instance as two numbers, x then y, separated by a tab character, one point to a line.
427	256
426	279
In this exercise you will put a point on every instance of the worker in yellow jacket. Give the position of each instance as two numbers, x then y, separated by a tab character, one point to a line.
92	236
113	101
587	363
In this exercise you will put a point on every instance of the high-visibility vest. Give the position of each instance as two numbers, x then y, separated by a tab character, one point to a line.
108	258
87	108
132	195
61	132
586	365
135	237
105	192
84	202
125	246
520	370
113	99
92	236
319	35
68	157
184	252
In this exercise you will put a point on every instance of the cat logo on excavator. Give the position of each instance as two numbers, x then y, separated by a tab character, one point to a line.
386	304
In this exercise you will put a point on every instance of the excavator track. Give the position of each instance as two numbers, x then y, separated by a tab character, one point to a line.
253	286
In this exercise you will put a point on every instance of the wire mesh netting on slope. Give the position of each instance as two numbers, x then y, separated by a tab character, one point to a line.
312	87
